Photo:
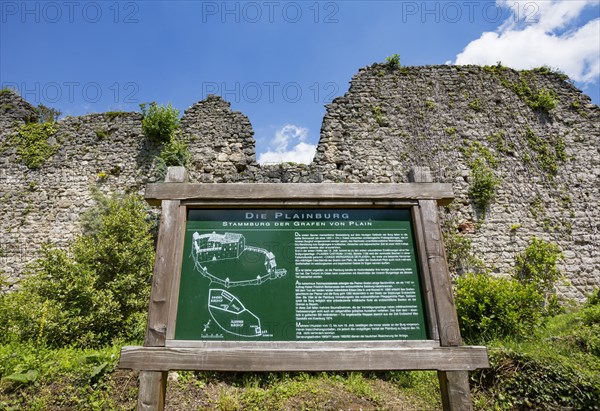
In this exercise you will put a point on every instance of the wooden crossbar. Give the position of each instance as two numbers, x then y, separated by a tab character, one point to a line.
316	359
440	192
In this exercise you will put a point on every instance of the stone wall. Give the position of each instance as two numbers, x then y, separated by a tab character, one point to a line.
442	117
445	116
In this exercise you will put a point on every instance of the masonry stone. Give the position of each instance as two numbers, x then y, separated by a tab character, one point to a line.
442	117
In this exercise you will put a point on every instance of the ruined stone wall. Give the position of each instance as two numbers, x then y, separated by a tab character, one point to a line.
443	117
44	205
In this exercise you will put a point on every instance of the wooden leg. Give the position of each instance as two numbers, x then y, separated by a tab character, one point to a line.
153	386
456	395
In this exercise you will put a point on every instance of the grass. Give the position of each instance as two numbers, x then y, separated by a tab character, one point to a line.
548	371
75	379
557	368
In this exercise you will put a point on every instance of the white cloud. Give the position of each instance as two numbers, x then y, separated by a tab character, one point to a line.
542	35
288	145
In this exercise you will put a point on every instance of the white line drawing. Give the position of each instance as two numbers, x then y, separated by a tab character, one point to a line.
230	314
212	248
206	326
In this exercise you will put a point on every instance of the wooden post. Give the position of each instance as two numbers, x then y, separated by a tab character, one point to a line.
153	384
454	385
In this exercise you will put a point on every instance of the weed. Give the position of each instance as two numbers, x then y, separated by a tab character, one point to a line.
112	115
542	99
459	250
450	131
549	153
47	114
378	115
551	71
475	105
101	134
498	139
393	61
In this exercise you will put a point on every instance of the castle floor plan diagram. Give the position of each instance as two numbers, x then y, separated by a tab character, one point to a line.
224	259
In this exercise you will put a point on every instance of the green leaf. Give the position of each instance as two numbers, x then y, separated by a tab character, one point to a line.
24	378
98	370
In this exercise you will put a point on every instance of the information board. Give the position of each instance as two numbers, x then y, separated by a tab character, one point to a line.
299	275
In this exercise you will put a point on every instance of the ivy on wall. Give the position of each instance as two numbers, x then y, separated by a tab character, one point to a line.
33	145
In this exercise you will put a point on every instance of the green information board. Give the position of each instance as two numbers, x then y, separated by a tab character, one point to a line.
299	275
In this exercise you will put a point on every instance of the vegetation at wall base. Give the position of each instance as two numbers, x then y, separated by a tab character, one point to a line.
538	265
557	367
494	307
93	294
60	335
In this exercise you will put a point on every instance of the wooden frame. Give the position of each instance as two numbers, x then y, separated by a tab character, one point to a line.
442	352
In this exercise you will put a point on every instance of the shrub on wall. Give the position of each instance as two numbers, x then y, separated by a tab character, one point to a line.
91	295
174	153
393	61
483	188
47	114
159	123
538	265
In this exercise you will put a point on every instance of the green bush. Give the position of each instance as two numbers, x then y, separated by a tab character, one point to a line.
534	381
495	307
174	153
159	123
483	188
538	265
594	299
93	294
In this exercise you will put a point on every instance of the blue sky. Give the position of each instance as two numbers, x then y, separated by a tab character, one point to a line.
279	62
